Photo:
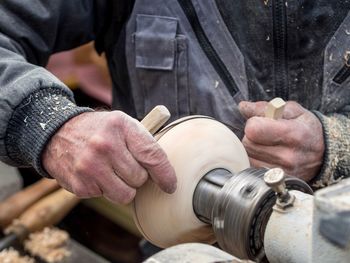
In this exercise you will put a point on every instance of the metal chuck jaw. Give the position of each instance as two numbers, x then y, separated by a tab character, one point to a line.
238	207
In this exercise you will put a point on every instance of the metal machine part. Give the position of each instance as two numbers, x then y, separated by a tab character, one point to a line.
317	228
331	224
288	231
194	253
313	229
275	178
238	207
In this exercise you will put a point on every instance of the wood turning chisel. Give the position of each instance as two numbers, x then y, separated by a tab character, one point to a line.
46	212
16	204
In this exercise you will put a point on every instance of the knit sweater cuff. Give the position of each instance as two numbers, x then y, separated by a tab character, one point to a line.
336	160
33	123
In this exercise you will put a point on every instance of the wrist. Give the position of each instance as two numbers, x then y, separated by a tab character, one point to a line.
33	123
61	141
335	164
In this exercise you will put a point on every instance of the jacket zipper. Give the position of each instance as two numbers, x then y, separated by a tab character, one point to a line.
280	48
207	47
343	73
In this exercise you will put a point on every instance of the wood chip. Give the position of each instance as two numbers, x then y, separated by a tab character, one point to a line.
49	244
12	256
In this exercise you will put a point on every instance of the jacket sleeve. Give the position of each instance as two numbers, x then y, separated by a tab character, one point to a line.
336	161
33	103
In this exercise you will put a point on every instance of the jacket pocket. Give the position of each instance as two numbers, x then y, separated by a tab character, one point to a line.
161	63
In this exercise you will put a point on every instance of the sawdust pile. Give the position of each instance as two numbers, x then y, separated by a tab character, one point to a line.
12	256
49	244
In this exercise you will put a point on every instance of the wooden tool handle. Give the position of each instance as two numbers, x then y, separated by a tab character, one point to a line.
46	212
275	108
13	206
156	118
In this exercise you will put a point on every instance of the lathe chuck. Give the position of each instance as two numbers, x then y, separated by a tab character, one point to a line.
238	206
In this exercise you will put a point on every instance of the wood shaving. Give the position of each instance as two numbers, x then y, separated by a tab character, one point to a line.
49	244
12	228
12	256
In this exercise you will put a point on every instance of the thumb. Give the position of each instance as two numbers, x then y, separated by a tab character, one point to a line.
252	109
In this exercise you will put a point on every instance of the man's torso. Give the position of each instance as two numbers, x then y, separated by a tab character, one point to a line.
203	57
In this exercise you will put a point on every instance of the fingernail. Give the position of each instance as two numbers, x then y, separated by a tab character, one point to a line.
172	188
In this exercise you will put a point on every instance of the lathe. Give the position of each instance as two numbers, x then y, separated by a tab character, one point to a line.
253	214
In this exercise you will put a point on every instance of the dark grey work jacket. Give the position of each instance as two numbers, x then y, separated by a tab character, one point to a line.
194	56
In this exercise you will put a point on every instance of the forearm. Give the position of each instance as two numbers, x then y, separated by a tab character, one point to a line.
336	161
21	85
33	103
34	122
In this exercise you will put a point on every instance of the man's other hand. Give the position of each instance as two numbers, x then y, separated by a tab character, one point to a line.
294	143
106	154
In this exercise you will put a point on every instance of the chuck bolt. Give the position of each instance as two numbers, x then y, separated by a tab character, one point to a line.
274	178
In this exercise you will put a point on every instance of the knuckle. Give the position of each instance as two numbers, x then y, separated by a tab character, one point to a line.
93	190
246	142
100	143
82	167
295	106
80	194
253	163
116	119
80	191
251	130
297	137
127	196
292	104
294	136
293	110
153	154
289	161
156	154
123	123
86	189
140	178
134	176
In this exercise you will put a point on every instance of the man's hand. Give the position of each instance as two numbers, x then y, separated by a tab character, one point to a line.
109	154
293	143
